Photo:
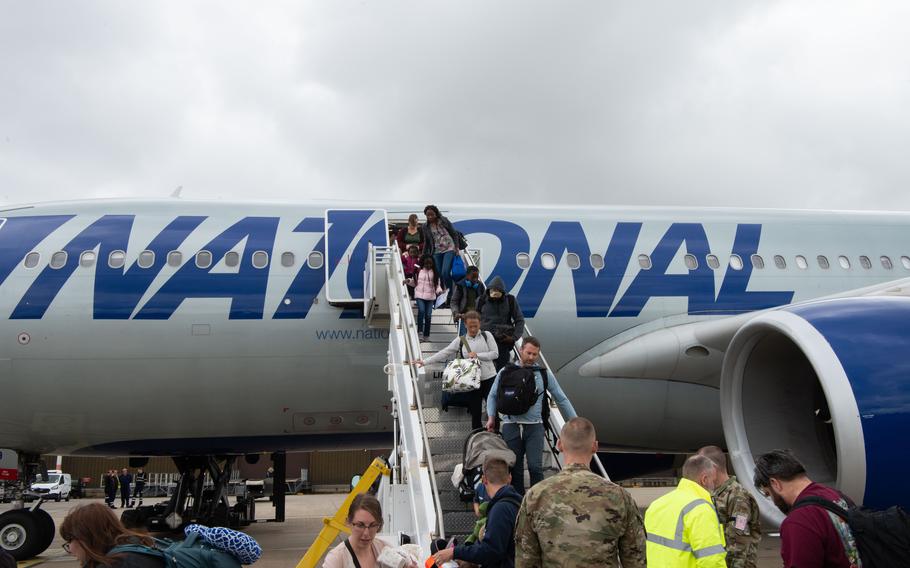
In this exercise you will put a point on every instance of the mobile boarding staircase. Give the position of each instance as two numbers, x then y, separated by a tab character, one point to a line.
418	498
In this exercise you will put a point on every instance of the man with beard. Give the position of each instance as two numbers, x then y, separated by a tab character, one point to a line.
682	526
501	316
810	535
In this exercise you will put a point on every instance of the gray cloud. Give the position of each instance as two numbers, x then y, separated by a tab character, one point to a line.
789	104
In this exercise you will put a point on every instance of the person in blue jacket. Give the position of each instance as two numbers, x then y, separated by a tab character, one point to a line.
496	548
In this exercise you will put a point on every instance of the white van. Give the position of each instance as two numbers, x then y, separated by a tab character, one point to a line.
57	486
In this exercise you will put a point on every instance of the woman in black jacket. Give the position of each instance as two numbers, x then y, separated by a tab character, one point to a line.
442	241
91	531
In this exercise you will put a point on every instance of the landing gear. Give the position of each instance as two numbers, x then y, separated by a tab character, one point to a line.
24	533
200	497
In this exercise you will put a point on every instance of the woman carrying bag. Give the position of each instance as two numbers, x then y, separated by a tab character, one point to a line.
480	346
427	290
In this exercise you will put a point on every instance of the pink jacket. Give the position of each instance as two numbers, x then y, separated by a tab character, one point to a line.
424	289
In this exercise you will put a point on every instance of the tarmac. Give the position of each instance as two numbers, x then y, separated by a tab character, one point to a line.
284	544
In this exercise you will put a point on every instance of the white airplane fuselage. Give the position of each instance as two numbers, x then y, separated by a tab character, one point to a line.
153	354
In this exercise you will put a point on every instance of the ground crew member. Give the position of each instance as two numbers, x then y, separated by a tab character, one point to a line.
577	518
126	479
737	511
683	530
139	486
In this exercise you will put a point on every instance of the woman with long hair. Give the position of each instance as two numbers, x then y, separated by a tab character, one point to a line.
441	240
410	235
362	548
91	531
427	287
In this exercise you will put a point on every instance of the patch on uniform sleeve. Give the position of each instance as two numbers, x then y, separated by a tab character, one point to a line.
742	522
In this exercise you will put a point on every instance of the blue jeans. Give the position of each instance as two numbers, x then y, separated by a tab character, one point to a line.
526	440
444	262
424	315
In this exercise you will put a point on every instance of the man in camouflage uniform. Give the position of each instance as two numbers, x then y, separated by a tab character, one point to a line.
737	512
577	518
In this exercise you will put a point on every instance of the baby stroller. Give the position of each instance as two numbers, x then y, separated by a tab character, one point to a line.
479	445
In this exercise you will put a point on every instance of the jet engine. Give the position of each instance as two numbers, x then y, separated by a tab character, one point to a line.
829	380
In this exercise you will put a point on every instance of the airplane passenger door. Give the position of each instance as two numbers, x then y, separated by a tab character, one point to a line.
348	235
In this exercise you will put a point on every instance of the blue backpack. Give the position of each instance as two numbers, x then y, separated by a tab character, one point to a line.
458	269
190	553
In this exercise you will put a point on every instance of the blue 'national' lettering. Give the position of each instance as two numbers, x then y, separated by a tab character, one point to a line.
117	291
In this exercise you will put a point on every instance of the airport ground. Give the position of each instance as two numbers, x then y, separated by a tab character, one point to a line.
284	544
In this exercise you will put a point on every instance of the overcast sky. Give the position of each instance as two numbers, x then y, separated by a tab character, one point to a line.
762	104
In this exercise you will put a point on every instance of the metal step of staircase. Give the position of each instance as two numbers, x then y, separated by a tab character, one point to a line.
446	430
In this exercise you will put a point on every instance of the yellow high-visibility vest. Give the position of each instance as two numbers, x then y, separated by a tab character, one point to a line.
683	530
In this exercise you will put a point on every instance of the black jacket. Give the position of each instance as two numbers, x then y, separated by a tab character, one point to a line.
125	481
495	315
460	296
497	548
429	246
110	483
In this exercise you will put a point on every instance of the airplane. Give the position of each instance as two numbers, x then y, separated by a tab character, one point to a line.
214	331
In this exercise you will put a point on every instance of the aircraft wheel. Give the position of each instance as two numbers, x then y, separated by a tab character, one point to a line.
47	528
21	534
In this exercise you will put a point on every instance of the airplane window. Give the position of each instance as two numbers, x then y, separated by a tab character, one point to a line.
314	260
203	259
287	259
87	258
758	262
644	261
116	259
886	263
146	259
844	262
691	261
231	259
174	258
548	260
713	262
58	259
260	259
801	262
573	260
32	259
597	261
823	262
780	261
736	262
865	262
523	259
905	260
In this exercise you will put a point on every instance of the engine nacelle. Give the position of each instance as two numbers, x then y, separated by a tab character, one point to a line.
831	381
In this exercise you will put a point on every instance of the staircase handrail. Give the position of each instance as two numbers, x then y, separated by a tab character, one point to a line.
404	348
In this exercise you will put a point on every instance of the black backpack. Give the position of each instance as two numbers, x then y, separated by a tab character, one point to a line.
882	537
517	390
